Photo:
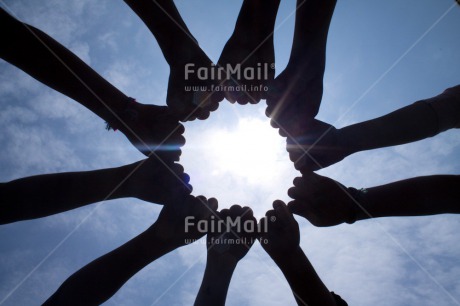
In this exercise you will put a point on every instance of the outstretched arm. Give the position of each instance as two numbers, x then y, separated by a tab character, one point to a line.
224	255
281	239
418	121
98	281
296	94
45	59
325	145
44	195
250	47
325	202
181	50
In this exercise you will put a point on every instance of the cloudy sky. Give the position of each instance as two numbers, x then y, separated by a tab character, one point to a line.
382	55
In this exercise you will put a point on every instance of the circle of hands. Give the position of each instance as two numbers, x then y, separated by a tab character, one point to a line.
311	144
293	100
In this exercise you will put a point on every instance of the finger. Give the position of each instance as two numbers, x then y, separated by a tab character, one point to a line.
268	110
283	213
213	204
274	123
204	115
247	212
202	199
217	97
270	213
298	207
175	141
244	98
293	193
177	168
179	128
255	97
298	181
236	210
224	213
282	132
300	193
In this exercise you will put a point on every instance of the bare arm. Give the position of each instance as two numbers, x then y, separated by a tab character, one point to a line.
325	202
180	49
44	195
281	241
45	59
419	196
325	145
223	256
418	121
98	281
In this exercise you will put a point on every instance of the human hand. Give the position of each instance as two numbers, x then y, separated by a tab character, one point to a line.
245	232
178	220
322	201
152	128
155	181
279	231
293	100
247	54
190	95
316	146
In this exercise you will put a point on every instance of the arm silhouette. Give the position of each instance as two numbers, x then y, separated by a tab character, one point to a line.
44	195
99	280
325	202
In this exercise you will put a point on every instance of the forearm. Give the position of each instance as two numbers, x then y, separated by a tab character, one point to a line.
260	12
49	62
426	195
310	34
101	279
216	280
44	195
305	283
164	21
411	123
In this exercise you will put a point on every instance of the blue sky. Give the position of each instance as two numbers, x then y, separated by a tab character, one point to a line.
382	55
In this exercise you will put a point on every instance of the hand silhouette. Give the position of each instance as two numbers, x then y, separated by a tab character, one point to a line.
279	231
152	128
315	146
178	220
247	54
235	241
250	49
322	201
155	181
190	95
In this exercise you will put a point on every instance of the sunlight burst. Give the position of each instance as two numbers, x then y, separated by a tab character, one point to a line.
250	151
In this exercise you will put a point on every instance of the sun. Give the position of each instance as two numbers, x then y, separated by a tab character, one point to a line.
251	150
237	157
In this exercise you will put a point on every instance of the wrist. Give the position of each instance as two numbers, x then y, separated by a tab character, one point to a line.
166	235
344	142
116	177
287	257
359	206
293	263
222	262
125	113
